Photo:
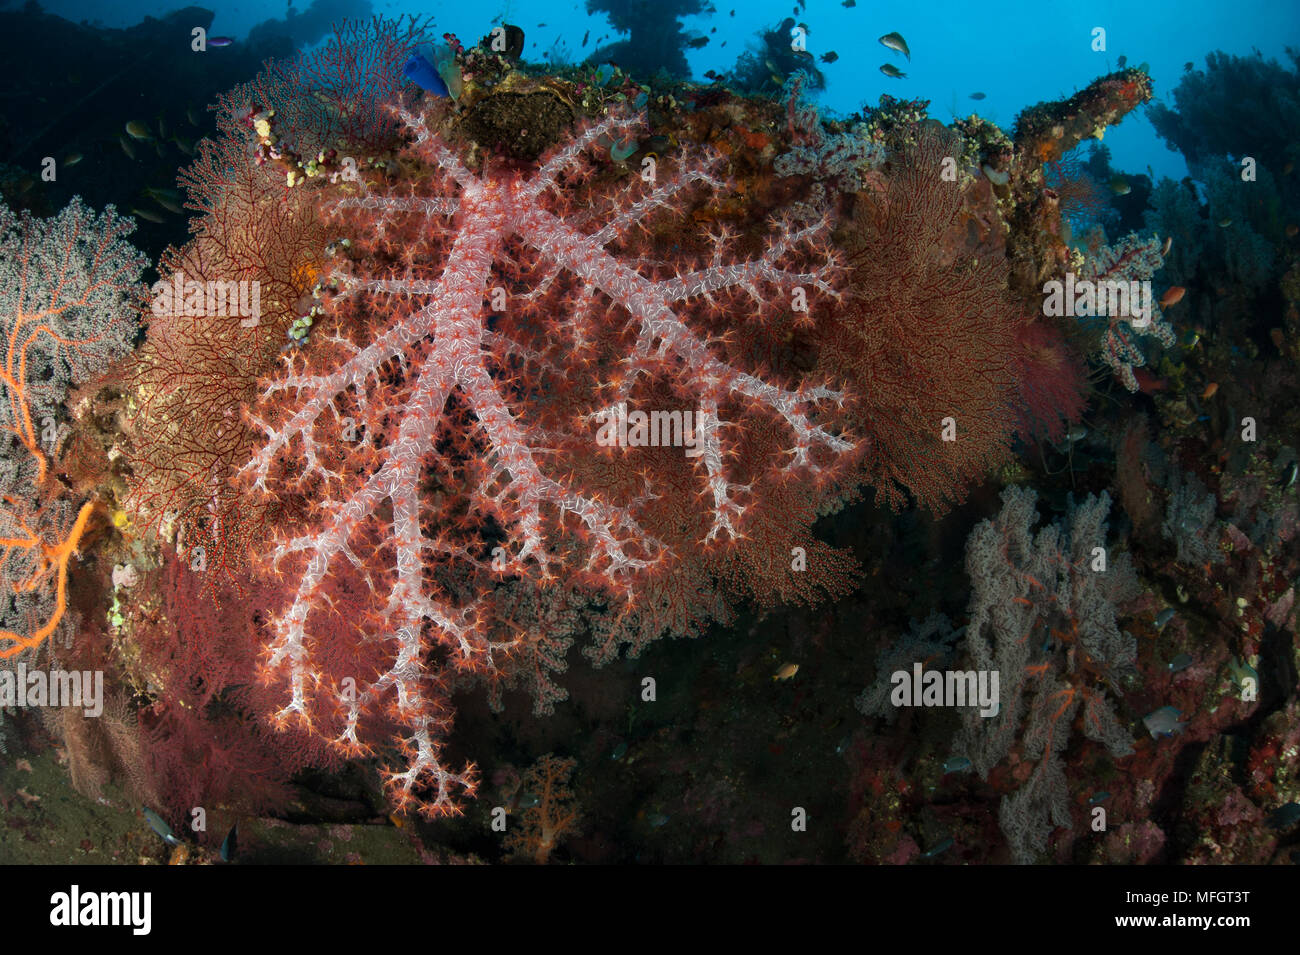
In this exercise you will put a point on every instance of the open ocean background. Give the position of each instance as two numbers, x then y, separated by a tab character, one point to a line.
1017	54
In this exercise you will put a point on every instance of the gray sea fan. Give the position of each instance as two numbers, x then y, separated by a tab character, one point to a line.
929	642
1190	521
1044	614
67	288
68	306
20	510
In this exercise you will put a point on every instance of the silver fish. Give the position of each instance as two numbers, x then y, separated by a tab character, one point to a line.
1163	722
895	41
159	825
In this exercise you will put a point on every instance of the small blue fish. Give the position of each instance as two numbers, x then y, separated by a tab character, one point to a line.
956	764
1180	663
619	751
230	845
1163	617
159	825
1098	797
421	72
623	149
942	846
1163	722
220	41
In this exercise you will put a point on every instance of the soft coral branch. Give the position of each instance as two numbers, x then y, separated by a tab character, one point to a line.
490	415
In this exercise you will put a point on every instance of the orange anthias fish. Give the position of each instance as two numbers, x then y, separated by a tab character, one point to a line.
1173	296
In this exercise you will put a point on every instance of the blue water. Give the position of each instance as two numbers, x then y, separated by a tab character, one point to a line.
1015	53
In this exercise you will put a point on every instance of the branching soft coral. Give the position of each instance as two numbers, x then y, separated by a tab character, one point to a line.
554	815
437	436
